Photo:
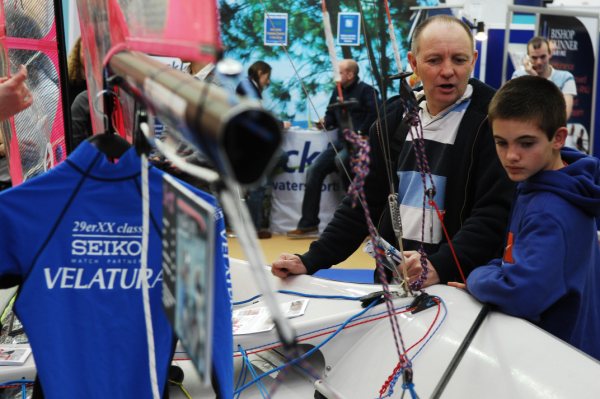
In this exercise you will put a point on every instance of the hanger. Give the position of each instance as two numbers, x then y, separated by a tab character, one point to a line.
109	142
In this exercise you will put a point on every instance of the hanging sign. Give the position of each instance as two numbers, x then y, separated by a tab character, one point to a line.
276	29
348	32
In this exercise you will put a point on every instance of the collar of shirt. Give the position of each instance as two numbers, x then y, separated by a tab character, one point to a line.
427	118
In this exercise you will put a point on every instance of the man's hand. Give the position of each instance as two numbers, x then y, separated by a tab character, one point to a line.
287	124
320	124
411	267
288	265
14	94
529	66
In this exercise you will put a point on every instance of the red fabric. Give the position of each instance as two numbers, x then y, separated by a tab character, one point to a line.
508	257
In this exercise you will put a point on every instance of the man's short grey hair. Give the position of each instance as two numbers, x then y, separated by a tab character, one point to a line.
446	19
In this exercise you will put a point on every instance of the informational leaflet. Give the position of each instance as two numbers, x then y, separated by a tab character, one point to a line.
255	319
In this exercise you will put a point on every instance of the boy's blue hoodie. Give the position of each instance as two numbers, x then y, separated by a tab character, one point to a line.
550	272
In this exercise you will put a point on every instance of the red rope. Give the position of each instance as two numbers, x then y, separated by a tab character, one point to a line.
441	217
387	382
367	320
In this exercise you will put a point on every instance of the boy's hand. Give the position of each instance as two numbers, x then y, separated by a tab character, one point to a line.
456	284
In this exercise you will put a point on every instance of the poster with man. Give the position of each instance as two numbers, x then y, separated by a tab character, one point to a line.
574	49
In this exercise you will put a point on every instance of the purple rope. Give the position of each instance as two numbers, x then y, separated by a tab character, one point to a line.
360	166
416	134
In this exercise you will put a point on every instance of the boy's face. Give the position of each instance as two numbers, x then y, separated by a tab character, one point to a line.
524	149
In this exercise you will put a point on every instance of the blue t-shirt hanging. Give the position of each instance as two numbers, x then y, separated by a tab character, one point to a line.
72	238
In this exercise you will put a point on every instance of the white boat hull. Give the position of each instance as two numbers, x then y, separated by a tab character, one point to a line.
508	357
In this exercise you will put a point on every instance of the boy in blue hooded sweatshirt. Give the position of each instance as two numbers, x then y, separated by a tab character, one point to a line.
550	271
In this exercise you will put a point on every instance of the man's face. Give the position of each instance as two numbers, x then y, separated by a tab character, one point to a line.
346	74
444	62
524	149
540	59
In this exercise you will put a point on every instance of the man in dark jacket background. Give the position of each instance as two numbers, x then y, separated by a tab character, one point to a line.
335	157
472	190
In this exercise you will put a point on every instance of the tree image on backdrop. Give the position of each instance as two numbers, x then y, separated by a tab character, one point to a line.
242	25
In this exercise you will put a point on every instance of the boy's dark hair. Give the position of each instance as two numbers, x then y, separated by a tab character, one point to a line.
258	67
530	99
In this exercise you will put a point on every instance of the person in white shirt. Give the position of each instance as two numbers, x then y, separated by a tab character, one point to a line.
537	63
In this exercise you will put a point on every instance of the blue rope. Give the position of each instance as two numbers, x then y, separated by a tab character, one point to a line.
23	384
411	389
323	329
247	300
435	330
241	377
344	297
310	352
301	294
263	391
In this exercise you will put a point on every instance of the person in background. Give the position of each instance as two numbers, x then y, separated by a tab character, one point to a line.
335	157
34	124
473	191
550	270
537	63
76	72
14	98
253	85
258	79
81	120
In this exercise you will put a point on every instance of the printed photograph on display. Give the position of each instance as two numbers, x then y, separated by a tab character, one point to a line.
191	232
574	49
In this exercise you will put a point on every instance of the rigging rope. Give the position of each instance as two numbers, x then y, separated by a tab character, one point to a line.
392	36
416	134
360	166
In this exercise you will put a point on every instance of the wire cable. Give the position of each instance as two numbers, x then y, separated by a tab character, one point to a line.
301	294
182	388
311	351
144	278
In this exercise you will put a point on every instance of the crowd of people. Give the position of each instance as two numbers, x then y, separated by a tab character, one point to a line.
520	210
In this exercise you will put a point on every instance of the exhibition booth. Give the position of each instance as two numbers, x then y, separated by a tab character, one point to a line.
120	282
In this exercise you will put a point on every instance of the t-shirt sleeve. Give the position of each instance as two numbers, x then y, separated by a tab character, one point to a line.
569	87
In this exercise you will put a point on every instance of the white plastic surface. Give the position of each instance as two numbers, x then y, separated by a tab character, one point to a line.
508	358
